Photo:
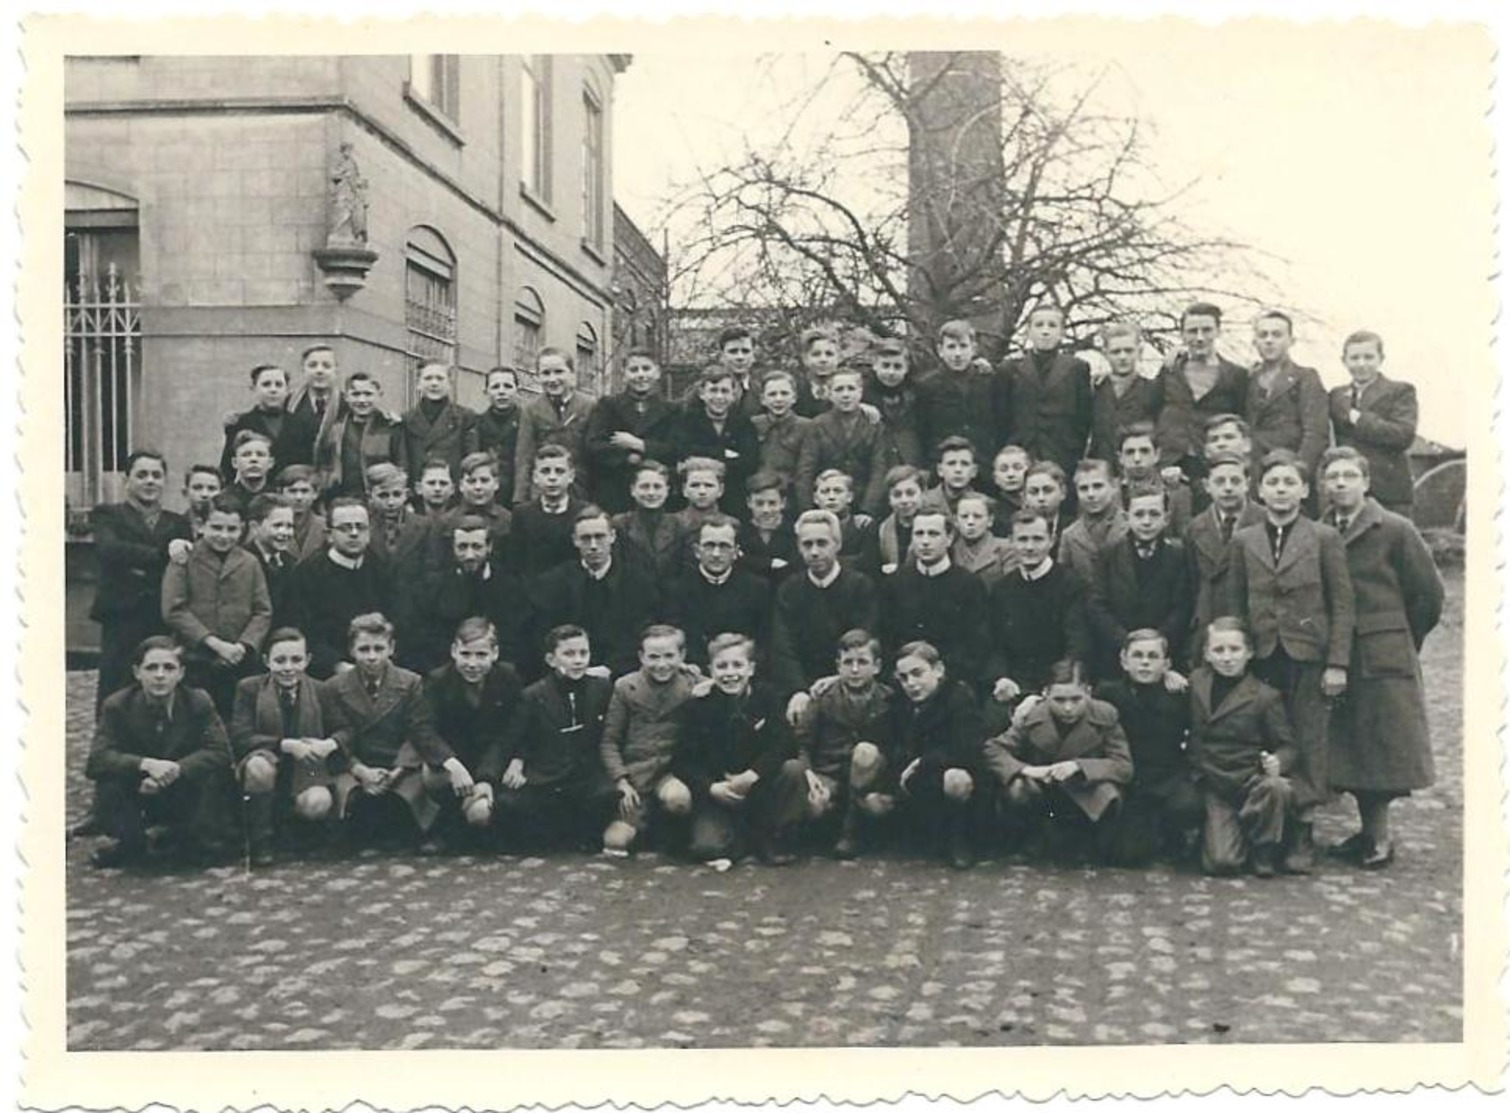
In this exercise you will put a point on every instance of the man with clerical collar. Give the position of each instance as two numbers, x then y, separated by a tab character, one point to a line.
331	589
716	596
930	599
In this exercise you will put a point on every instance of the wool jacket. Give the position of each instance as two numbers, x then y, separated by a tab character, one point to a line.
945	729
1096	743
1291	412
781	442
653	540
1082	542
958	403
1143	400
837	720
390	730
1156	722
1034	623
652	419
291	431
1304	603
492	593
451	436
257	716
1180	433
1226	741
224	597
736	445
539	540
128	730
612	610
852	444
946	610
498	433
1049	414
1130	593
383	440
640	731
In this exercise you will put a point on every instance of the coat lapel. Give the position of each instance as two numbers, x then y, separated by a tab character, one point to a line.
1237	699
1301	543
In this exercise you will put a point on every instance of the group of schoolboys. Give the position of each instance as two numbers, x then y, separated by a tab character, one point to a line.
1132	638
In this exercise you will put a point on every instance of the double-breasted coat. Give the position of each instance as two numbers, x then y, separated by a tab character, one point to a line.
1379	738
1096	743
1226	740
1290	411
451	436
1049	414
540	424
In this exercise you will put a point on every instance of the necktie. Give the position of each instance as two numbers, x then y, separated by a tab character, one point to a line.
1343	522
1357	396
319	409
290	712
1227	524
1279	542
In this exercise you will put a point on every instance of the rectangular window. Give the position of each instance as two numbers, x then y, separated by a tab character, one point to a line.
101	358
436	79
535	124
429	314
593	171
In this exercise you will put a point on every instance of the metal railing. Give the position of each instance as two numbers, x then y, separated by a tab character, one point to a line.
101	383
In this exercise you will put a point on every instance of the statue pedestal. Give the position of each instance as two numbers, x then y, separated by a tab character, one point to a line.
344	266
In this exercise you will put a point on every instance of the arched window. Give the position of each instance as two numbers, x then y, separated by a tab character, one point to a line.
589	366
429	297
529	333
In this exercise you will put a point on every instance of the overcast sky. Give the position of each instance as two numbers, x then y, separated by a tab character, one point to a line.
1357	157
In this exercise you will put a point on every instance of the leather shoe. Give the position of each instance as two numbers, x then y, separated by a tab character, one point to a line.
1264	860
1352	849
1379	856
115	855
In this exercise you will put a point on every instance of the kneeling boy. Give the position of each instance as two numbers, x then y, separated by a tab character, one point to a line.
1063	765
159	756
554	790
639	738
841	738
736	753
1241	746
282	735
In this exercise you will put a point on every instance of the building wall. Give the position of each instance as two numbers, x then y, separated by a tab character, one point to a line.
229	161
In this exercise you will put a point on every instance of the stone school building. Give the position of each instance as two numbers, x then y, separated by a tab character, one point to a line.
223	212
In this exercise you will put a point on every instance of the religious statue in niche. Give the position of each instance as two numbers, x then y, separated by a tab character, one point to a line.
348	201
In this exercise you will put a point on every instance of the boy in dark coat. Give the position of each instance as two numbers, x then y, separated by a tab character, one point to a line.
283	738
132	539
541	530
389	745
472	700
1198	383
498	427
640	736
1064	765
291	435
1209	537
1286	406
331	589
844	439
1162	803
1377	415
767	543
716	596
935	736
1241	748
1142	580
627	429
1047	395
1289	579
554	789
736	754
270	538
159	756
217	604
437	426
1380	747
894	395
781	430
957	400
1124	397
710	426
611	599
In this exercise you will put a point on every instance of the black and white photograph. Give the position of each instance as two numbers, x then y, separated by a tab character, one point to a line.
949	541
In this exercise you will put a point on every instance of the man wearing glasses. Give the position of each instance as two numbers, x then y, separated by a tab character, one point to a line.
331	589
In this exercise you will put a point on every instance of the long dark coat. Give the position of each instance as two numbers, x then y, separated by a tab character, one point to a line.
1379	739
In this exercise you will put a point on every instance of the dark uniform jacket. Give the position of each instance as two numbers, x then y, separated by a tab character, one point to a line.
475	734
1225	741
1291	413
130	729
452	435
1156	722
612	610
853	445
703	609
720	735
737	446
539	541
291	431
557	732
1181	434
1034	623
808	622
132	559
947	610
498	433
1096	742
958	403
1142	401
1208	556
653	420
492	593
1385	430
946	730
325	597
1048	413
1130	593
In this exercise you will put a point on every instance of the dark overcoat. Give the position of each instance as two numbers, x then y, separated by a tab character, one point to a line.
1097	743
1379	739
1384	431
1226	741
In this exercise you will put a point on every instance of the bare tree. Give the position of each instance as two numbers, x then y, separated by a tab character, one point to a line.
816	225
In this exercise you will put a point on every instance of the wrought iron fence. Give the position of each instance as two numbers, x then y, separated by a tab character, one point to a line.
101	382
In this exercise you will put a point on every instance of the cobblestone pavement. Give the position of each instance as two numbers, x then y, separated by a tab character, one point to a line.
575	951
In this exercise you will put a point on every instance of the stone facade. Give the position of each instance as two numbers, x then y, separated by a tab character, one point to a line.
223	168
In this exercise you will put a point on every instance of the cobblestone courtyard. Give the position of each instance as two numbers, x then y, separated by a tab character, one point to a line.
574	951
